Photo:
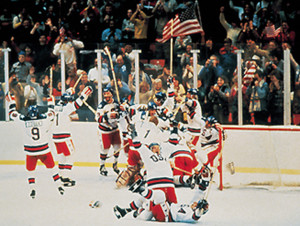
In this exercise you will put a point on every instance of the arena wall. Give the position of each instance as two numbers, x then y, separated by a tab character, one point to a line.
254	150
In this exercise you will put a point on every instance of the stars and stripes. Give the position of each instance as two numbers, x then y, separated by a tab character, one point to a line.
184	24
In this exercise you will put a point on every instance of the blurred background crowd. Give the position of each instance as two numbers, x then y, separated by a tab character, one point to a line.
37	30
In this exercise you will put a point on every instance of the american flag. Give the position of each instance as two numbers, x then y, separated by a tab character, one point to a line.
184	24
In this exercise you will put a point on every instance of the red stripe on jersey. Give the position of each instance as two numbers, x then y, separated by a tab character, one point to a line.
171	94
36	148
163	180
173	141
194	104
193	130
192	114
61	135
104	128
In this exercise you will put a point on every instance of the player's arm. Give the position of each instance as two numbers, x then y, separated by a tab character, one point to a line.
12	112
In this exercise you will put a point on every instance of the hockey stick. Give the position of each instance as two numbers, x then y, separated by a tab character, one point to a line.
89	107
113	72
117	151
51	81
76	83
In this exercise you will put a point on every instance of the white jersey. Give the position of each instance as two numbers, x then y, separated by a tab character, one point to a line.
182	213
159	173
62	122
37	132
194	122
106	124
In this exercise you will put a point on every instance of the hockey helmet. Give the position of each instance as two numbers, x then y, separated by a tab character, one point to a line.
192	91
161	96
152	106
33	112
211	120
67	97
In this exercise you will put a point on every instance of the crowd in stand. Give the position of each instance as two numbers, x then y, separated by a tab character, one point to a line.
262	29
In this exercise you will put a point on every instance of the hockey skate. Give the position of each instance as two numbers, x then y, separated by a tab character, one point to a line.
103	170
120	212
115	167
61	190
67	182
32	194
138	186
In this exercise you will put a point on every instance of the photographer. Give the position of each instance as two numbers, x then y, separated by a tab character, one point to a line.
258	92
219	97
275	98
16	88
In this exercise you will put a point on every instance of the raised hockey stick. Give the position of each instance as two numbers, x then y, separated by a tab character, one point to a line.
76	83
113	72
89	107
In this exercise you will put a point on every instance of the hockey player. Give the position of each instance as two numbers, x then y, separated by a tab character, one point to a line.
194	114
62	131
108	117
158	208
36	140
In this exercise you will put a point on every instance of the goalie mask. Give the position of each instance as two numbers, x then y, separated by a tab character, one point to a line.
33	112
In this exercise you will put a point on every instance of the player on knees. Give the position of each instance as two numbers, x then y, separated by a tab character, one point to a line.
107	117
157	207
36	140
62	131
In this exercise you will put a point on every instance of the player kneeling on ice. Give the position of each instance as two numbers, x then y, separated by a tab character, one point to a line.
156	207
62	131
36	140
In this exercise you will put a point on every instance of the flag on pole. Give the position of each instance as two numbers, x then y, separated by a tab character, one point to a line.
184	24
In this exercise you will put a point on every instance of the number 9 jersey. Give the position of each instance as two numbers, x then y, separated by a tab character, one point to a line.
37	132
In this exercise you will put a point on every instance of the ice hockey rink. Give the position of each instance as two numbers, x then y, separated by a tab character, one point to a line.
235	206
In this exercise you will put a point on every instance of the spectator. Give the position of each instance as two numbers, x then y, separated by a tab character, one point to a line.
73	18
228	58
188	73
248	32
207	49
257	93
127	27
210	73
106	15
244	12
112	35
123	88
19	19
30	93
93	73
145	93
140	21
219	97
275	98
233	102
6	19
158	87
16	88
185	58
181	43
68	45
21	68
286	34
143	76
232	29
122	71
57	91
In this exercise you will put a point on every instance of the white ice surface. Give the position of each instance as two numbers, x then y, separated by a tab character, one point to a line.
243	206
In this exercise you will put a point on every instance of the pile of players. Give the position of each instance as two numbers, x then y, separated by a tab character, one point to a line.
161	152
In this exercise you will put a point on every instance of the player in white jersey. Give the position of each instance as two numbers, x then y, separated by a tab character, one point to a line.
62	131
107	117
194	114
160	209
36	140
159	176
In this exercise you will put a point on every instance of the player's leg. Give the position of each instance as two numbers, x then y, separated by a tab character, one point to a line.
31	162
48	161
106	143
116	143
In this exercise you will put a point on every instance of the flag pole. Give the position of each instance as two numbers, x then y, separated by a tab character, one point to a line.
171	50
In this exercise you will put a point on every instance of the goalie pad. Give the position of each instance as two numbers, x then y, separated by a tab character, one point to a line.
128	176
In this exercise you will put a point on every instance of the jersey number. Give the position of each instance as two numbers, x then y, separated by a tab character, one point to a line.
156	158
35	133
